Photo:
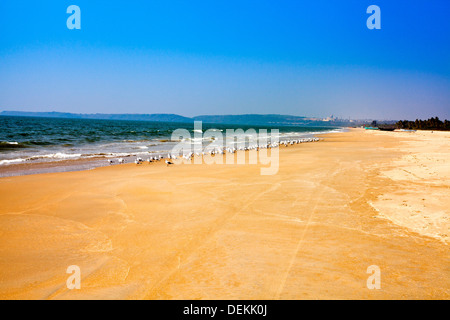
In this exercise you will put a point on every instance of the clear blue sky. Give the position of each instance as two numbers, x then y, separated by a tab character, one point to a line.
312	58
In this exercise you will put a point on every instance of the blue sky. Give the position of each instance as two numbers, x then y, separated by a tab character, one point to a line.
311	58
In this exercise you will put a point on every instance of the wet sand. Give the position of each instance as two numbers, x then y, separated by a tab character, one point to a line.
336	207
27	168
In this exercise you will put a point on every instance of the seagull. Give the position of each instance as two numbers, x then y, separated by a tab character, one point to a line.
121	161
110	161
168	162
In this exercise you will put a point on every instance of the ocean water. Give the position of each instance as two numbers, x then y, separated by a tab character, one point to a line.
35	140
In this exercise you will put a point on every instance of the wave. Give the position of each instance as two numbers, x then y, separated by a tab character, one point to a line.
5	145
64	156
168	140
13	161
58	155
53	156
25	144
38	143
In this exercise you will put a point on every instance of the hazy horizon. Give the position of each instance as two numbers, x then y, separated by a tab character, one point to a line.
203	115
227	57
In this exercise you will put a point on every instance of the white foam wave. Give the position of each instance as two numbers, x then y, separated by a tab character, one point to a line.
13	161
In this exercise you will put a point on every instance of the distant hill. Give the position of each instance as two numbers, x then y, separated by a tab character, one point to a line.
245	119
136	117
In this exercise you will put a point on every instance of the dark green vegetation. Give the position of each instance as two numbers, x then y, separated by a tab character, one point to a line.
430	124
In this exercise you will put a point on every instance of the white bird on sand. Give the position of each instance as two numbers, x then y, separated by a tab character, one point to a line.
110	161
121	161
168	162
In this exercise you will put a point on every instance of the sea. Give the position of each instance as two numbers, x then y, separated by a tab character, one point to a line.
33	140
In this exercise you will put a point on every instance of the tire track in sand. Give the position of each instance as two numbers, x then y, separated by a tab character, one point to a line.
313	202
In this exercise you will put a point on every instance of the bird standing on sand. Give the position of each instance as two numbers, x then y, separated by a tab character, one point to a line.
110	161
168	162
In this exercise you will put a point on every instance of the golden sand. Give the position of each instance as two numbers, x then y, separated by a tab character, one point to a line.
335	208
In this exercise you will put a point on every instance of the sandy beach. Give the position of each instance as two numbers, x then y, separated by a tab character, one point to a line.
336	207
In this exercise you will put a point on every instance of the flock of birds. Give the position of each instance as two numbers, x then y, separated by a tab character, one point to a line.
215	151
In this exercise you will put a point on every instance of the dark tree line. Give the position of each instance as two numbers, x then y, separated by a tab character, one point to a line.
430	124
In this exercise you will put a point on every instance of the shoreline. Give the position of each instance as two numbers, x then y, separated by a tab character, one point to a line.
43	145
311	231
83	164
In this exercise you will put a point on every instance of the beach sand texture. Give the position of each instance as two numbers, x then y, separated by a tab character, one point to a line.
311	231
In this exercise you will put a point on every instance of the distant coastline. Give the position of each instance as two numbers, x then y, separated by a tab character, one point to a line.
247	119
